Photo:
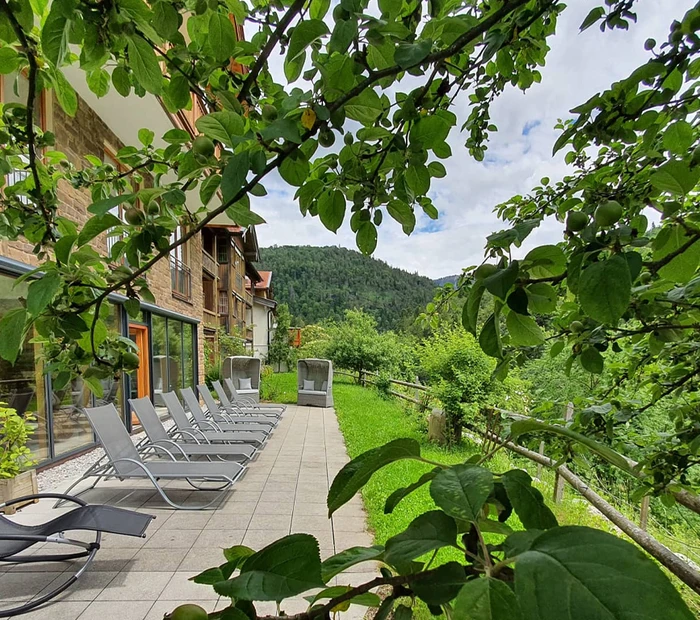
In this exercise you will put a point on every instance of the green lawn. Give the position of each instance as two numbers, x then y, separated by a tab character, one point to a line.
367	420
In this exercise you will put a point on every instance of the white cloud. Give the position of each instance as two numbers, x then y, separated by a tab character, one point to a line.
578	66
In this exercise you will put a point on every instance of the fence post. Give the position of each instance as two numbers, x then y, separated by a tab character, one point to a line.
539	465
558	480
644	513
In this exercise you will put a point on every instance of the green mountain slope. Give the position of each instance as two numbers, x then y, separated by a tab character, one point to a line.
322	282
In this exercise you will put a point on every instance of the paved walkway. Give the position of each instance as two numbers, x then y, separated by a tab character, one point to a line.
283	491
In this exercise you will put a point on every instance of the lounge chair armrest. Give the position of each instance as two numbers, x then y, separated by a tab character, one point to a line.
61	496
213	426
184	435
153	446
169	442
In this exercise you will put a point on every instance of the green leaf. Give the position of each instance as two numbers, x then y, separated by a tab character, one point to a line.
94	385
490	338
437	170
602	575
429	131
353	476
208	188
592	17
592	360
55	34
237	554
295	169
403	214
98	82
486	599
305	33
287	567
678	137
542	298
431	530
675	177
500	283
366	237
470	311
12	330
132	307
282	128
331	209
165	19
441	586
408	54
222	37
234	175
393	499
418	179
225	126
9	60
527	501
462	490
243	216
523	330
121	81
63	248
340	562
605	289
144	64
365	108
520	427
103	206
546	260
42	291
64	92
682	267
96	225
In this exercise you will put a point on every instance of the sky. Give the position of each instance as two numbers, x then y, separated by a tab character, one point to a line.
519	154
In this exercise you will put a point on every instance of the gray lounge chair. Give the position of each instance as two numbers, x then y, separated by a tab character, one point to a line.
16	539
123	461
315	382
156	433
185	426
237	401
221	413
256	431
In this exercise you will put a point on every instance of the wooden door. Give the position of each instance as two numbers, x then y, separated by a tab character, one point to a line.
140	378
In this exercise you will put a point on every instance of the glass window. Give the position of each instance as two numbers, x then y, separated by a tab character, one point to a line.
22	383
175	354
159	362
188	354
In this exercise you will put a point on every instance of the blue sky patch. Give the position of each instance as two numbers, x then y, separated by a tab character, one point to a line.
529	126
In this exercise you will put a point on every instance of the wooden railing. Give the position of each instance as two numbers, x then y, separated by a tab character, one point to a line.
210	319
209	264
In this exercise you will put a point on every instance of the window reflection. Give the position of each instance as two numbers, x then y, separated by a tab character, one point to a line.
22	384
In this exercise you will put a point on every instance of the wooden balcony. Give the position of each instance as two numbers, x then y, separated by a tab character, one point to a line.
210	319
209	265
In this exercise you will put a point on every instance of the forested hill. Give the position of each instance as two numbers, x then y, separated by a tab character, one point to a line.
322	282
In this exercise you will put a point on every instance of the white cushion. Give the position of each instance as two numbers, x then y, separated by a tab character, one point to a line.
309	384
312	392
245	392
324	386
244	384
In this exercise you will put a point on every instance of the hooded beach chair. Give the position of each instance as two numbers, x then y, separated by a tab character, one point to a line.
315	382
123	461
16	539
244	371
188	429
243	429
249	407
156	433
220	413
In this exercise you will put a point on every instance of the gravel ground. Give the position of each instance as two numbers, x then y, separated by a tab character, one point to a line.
50	479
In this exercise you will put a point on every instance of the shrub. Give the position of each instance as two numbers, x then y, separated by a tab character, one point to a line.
15	431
